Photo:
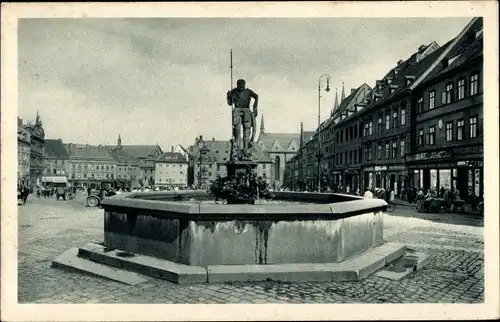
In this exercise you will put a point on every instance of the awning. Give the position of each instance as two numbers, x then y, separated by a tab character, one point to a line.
55	179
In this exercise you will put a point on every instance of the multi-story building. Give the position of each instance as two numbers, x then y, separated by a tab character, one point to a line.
346	143
23	154
56	158
37	144
171	169
447	119
297	173
89	165
213	158
135	157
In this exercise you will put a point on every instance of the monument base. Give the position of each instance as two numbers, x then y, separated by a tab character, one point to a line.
244	167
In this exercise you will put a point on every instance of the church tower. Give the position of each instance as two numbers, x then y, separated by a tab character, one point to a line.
336	105
262	128
343	93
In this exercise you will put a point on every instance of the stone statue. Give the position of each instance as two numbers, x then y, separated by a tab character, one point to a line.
243	117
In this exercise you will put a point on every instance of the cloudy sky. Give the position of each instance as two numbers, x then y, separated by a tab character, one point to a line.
164	80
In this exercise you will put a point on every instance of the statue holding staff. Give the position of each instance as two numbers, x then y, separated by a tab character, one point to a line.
243	116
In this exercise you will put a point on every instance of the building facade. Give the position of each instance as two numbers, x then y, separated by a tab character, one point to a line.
23	154
210	162
280	148
171	169
56	158
447	120
90	165
137	162
37	145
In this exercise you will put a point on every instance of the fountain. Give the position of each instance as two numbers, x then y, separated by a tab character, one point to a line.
185	237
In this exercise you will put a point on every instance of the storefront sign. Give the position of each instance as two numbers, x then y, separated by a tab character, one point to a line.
397	167
428	156
381	168
368	169
469	163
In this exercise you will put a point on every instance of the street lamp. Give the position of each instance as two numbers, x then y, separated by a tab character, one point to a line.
202	148
319	154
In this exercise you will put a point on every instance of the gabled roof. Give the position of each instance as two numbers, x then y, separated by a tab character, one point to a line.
54	149
284	139
171	157
467	49
121	157
348	102
140	151
89	152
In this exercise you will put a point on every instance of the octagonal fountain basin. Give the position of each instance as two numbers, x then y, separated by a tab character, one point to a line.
190	228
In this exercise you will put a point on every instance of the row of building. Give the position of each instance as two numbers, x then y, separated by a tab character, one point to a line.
421	125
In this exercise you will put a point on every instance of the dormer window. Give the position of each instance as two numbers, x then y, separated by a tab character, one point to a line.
452	59
396	71
389	80
479	32
409	79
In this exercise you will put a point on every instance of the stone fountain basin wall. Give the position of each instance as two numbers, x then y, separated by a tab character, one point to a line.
210	234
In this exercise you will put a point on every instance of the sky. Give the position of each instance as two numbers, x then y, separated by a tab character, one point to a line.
164	80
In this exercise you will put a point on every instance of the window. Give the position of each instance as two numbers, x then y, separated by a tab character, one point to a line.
449	131
402	144
395	118
447	95
474	84
370	128
379	151
432	99
473	127
421	137
388	120
387	152
420	105
394	150
460	130
403	116
379	124
432	135
370	153
461	88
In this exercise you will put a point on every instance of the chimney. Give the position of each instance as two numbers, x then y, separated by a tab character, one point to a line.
400	62
353	90
422	48
172	148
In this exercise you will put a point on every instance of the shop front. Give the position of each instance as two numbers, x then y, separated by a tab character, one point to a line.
352	180
432	173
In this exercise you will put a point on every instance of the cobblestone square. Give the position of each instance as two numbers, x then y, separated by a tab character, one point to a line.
455	273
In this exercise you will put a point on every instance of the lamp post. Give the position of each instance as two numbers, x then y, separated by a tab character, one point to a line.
319	154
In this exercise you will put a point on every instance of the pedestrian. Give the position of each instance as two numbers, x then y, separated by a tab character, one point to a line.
348	189
24	194
368	194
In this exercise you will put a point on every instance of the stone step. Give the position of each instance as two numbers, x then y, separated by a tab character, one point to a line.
146	265
70	260
410	262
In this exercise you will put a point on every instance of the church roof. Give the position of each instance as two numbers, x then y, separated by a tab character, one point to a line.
284	139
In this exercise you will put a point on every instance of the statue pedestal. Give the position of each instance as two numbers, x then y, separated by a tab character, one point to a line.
237	168
241	166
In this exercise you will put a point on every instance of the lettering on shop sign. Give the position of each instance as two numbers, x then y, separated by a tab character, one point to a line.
382	168
429	156
469	163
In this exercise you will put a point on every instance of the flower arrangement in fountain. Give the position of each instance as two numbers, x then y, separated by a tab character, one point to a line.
240	189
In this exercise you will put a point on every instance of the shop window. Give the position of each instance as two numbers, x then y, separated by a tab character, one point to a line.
474	84
461	89
449	131
432	99
473	127
460	130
